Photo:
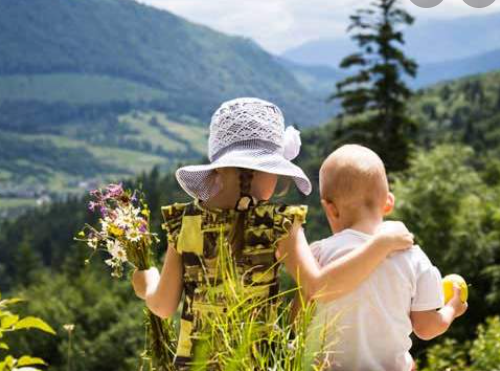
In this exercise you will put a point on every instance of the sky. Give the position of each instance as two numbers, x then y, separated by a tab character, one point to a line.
278	25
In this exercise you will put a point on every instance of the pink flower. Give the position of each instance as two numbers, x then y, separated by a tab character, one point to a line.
114	190
103	210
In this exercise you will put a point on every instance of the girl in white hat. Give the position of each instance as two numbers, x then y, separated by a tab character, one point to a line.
231	215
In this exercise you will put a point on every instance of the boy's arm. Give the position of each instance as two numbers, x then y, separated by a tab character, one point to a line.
161	292
342	275
431	323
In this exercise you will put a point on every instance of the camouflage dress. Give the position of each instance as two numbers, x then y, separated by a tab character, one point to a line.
215	279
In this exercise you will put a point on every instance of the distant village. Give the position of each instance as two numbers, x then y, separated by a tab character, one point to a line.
40	195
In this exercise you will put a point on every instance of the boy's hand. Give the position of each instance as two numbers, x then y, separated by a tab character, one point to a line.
456	303
431	323
394	236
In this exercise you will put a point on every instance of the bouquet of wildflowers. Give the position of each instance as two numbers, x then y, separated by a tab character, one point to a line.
123	231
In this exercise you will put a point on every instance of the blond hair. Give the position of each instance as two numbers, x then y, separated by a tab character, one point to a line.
354	178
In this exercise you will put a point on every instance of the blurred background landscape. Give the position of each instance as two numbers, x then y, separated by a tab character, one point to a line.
94	91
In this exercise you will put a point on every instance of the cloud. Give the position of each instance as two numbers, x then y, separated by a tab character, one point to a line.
281	24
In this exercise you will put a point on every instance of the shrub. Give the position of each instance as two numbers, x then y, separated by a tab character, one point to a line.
11	322
483	354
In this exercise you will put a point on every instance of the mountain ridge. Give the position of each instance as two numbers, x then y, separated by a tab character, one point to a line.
197	66
444	49
429	41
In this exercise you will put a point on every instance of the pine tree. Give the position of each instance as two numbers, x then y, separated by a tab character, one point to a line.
375	97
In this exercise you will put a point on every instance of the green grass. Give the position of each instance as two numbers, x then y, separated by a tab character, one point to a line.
150	133
75	89
133	160
59	140
196	135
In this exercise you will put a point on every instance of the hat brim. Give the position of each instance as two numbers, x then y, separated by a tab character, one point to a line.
198	180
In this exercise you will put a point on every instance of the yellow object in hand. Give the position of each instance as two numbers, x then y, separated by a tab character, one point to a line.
455	280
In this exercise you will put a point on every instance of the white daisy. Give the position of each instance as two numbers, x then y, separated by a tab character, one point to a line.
133	235
104	224
121	255
110	262
116	250
92	243
123	218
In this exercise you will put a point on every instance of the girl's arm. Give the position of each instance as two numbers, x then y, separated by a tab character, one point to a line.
342	275
161	292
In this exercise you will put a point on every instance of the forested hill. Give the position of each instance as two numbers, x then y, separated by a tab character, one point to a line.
466	109
188	67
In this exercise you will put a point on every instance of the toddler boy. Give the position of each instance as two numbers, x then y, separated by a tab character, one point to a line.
369	329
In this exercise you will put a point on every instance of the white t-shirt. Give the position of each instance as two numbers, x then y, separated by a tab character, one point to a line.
369	329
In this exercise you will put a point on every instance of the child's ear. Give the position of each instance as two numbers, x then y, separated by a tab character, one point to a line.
389	204
330	209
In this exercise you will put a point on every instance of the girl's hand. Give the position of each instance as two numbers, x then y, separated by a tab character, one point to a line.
142	280
393	236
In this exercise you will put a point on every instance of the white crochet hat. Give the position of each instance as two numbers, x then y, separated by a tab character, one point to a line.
246	133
